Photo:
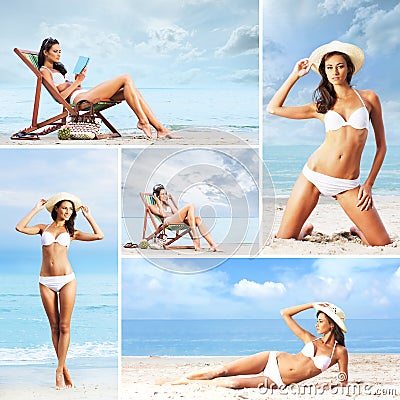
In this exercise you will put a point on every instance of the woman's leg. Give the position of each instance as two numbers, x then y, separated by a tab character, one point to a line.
67	301
50	304
187	214
369	226
204	231
110	88
301	203
226	375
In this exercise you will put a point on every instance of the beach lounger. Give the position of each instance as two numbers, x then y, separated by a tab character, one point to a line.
30	59
159	227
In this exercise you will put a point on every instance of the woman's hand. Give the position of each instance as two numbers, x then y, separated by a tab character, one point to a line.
302	67
80	77
365	201
40	204
85	211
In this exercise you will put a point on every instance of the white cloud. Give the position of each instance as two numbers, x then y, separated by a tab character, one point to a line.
244	76
337	6
243	40
255	290
378	29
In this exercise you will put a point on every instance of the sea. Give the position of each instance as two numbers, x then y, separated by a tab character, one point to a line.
25	337
242	337
232	110
284	164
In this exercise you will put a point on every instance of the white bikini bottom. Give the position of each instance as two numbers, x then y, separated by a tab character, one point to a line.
329	185
56	283
271	370
73	95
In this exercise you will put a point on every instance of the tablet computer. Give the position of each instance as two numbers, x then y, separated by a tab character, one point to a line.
80	64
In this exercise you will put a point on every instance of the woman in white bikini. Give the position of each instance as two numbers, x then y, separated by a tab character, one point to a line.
272	369
166	210
57	282
334	168
120	88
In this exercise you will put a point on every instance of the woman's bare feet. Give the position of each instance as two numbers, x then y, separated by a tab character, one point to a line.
196	242
215	249
165	133
146	128
305	231
207	374
67	378
59	379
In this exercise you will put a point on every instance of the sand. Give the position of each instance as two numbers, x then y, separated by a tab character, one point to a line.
190	137
371	376
331	234
92	382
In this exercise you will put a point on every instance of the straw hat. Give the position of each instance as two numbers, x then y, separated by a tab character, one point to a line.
333	312
355	53
63	196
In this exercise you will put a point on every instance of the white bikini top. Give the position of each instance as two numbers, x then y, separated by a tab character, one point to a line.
48	238
321	362
359	119
58	77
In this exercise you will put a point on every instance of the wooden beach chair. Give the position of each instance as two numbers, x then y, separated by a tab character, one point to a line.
159	227
30	59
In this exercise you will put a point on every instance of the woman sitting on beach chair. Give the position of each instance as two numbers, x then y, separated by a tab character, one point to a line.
119	88
272	369
166	210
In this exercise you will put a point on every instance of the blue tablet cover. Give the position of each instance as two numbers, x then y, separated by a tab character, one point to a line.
80	64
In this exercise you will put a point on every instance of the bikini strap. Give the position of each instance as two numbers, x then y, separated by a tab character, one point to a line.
333	350
45	229
359	96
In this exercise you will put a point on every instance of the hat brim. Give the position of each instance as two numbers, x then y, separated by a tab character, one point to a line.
354	52
329	312
63	196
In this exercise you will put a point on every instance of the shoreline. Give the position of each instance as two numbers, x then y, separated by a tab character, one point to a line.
368	373
331	235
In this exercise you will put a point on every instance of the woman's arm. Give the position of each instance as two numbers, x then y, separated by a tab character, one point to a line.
342	376
365	193
68	90
22	225
276	107
97	232
287	314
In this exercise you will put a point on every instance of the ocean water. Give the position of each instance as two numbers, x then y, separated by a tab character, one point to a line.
24	329
241	337
232	110
285	163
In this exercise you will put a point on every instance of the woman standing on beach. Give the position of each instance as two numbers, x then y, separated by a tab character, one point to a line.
57	281
273	369
117	89
170	214
334	168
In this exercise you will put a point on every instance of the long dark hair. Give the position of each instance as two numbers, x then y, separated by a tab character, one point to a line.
157	189
46	45
337	332
69	225
324	95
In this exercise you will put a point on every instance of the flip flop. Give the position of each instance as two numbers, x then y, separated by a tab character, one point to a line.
24	136
131	245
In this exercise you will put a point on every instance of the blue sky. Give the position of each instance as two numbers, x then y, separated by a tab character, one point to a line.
30	174
161	43
259	288
292	33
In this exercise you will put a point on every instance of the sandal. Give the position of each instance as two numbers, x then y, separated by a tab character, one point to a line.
25	136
